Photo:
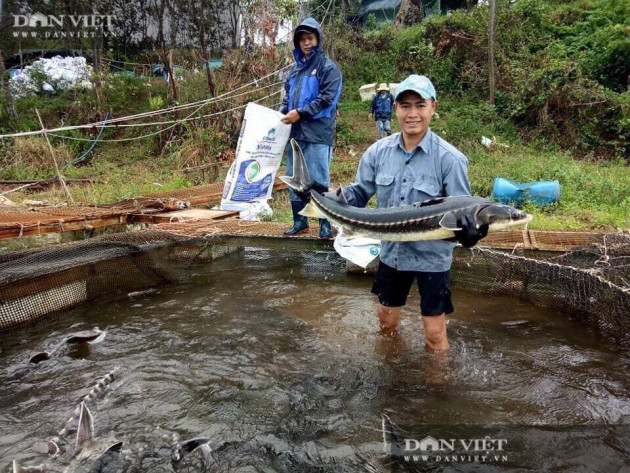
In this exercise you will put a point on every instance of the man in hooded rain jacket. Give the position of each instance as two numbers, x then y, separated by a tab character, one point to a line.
310	106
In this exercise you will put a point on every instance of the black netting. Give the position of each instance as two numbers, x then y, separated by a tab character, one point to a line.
568	283
591	282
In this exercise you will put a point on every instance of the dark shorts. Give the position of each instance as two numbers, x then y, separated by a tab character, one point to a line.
392	288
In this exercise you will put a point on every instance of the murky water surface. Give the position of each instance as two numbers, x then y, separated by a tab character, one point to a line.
278	359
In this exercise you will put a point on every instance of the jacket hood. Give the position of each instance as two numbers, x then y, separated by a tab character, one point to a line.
311	24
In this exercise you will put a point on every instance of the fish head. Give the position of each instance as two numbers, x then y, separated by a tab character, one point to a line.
499	216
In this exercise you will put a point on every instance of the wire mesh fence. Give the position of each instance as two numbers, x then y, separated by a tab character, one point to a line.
591	282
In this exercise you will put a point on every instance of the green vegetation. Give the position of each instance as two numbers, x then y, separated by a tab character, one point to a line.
562	110
595	193
562	67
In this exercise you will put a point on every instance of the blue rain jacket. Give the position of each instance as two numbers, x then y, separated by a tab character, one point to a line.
313	89
382	106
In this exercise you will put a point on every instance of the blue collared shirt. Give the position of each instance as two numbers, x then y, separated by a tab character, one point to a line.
434	168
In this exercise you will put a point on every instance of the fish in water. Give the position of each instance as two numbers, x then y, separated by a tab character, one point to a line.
89	454
268	452
177	457
434	219
180	450
75	338
394	448
99	455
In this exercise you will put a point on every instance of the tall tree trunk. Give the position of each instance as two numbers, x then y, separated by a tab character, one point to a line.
491	49
5	89
409	13
171	75
206	56
172	19
98	68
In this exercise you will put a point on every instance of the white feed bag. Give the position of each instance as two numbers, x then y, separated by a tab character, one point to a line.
261	144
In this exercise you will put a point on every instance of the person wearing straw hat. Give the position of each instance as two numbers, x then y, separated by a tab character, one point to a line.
415	165
310	106
381	108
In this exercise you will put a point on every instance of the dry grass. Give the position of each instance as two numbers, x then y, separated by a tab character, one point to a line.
34	153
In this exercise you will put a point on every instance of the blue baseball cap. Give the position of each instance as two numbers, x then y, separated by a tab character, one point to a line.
421	85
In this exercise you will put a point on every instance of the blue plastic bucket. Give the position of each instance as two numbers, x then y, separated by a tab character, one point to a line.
212	64
541	192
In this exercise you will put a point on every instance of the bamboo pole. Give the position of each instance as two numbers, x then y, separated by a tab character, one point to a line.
52	153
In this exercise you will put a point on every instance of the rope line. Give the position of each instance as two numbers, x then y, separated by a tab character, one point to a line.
142	115
172	122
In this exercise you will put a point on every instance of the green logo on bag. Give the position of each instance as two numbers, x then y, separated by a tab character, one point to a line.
252	171
374	250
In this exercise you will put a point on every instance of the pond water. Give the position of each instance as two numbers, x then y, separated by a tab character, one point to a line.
278	359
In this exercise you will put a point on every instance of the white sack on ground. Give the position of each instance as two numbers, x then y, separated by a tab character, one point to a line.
57	73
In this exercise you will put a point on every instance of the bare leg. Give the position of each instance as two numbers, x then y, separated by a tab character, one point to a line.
390	343
435	333
388	317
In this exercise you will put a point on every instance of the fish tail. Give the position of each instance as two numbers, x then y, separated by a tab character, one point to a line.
301	178
312	211
98	388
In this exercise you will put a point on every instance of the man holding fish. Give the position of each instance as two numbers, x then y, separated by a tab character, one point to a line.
413	166
424	208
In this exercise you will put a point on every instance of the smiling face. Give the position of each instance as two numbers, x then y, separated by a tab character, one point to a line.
307	42
414	114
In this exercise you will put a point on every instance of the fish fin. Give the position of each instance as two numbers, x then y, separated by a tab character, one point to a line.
449	221
389	436
289	181
117	447
53	449
350	235
82	337
391	440
435	201
300	171
85	430
108	459
191	445
39	357
311	211
206	451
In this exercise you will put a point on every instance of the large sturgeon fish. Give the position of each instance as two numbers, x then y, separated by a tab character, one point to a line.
434	219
